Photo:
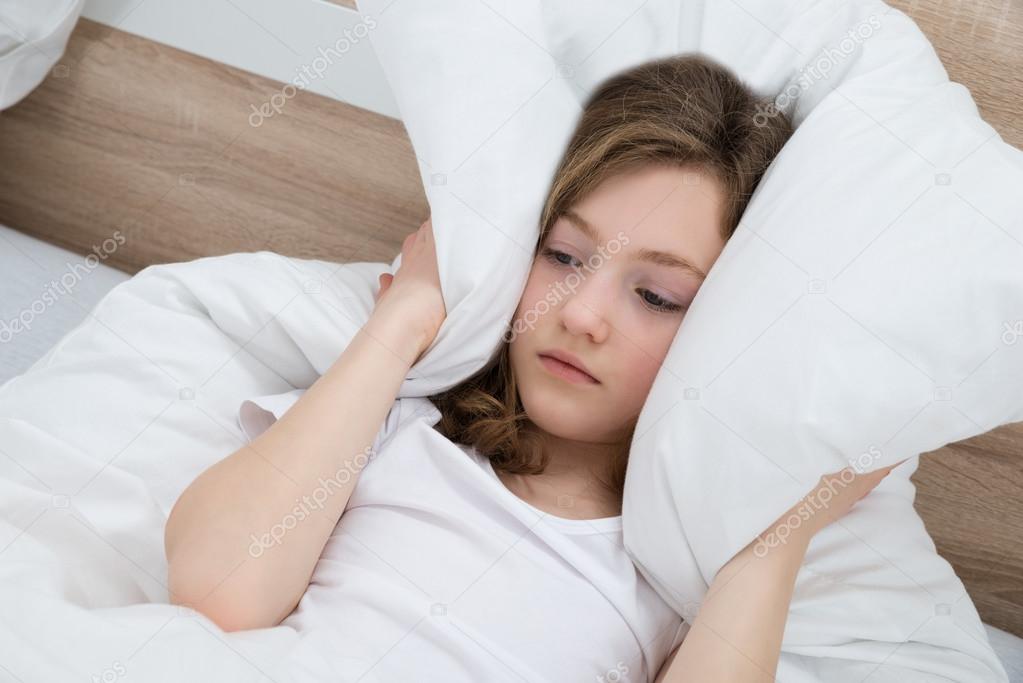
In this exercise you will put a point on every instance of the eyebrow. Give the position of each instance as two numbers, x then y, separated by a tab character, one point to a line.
660	258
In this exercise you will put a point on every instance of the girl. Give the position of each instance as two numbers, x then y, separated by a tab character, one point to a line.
477	537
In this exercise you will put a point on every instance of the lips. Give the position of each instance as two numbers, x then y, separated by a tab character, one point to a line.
567	366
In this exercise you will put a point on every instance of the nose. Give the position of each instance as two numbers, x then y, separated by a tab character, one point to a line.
584	310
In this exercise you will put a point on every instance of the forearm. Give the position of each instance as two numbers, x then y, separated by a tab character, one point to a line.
737	634
295	479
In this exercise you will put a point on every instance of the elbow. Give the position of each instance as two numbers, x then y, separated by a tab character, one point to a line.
227	603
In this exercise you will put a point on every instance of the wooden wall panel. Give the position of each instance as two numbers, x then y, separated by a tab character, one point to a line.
131	135
970	496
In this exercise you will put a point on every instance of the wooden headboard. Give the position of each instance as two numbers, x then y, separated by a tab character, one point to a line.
103	145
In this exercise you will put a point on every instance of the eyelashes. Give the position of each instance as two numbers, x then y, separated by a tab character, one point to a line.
652	301
554	256
664	306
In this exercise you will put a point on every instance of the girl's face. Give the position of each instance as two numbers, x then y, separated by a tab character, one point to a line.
610	286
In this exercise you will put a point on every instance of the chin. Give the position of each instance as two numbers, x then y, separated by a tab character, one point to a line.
557	419
557	413
551	404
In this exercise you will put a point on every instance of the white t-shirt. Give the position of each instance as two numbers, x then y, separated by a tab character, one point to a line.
437	572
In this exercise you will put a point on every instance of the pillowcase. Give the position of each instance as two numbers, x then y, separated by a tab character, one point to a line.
864	311
32	39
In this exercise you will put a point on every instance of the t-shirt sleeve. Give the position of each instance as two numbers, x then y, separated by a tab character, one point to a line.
257	414
680	635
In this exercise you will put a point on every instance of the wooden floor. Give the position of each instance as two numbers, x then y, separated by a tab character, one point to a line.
130	135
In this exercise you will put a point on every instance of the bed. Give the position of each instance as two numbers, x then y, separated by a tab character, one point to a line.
188	191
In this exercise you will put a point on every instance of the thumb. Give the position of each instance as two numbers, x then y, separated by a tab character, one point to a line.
385	282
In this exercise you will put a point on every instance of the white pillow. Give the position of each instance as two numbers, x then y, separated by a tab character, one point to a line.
32	38
865	310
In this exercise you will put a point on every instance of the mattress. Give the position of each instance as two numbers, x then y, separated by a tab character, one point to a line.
44	292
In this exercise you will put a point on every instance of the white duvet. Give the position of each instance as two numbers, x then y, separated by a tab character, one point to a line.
99	438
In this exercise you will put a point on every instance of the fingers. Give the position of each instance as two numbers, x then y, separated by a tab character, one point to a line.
872	479
407	243
838	492
384	280
423	231
421	234
885	471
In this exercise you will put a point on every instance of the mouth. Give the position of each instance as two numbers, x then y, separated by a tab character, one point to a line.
566	370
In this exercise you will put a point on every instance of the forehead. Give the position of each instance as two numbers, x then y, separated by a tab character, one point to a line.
669	209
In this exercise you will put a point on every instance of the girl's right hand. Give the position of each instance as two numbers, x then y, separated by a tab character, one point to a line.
411	299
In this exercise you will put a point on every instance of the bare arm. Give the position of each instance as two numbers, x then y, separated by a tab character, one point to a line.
737	635
297	476
215	563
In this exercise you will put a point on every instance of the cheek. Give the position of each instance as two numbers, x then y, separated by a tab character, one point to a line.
642	370
642	358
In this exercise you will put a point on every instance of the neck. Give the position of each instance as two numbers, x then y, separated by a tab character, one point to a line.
569	459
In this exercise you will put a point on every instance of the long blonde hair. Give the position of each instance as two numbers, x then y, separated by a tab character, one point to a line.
685	111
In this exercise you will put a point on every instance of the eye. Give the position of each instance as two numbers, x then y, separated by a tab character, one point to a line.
652	301
555	257
658	303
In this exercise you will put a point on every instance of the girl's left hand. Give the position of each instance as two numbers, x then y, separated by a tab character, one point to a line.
834	495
